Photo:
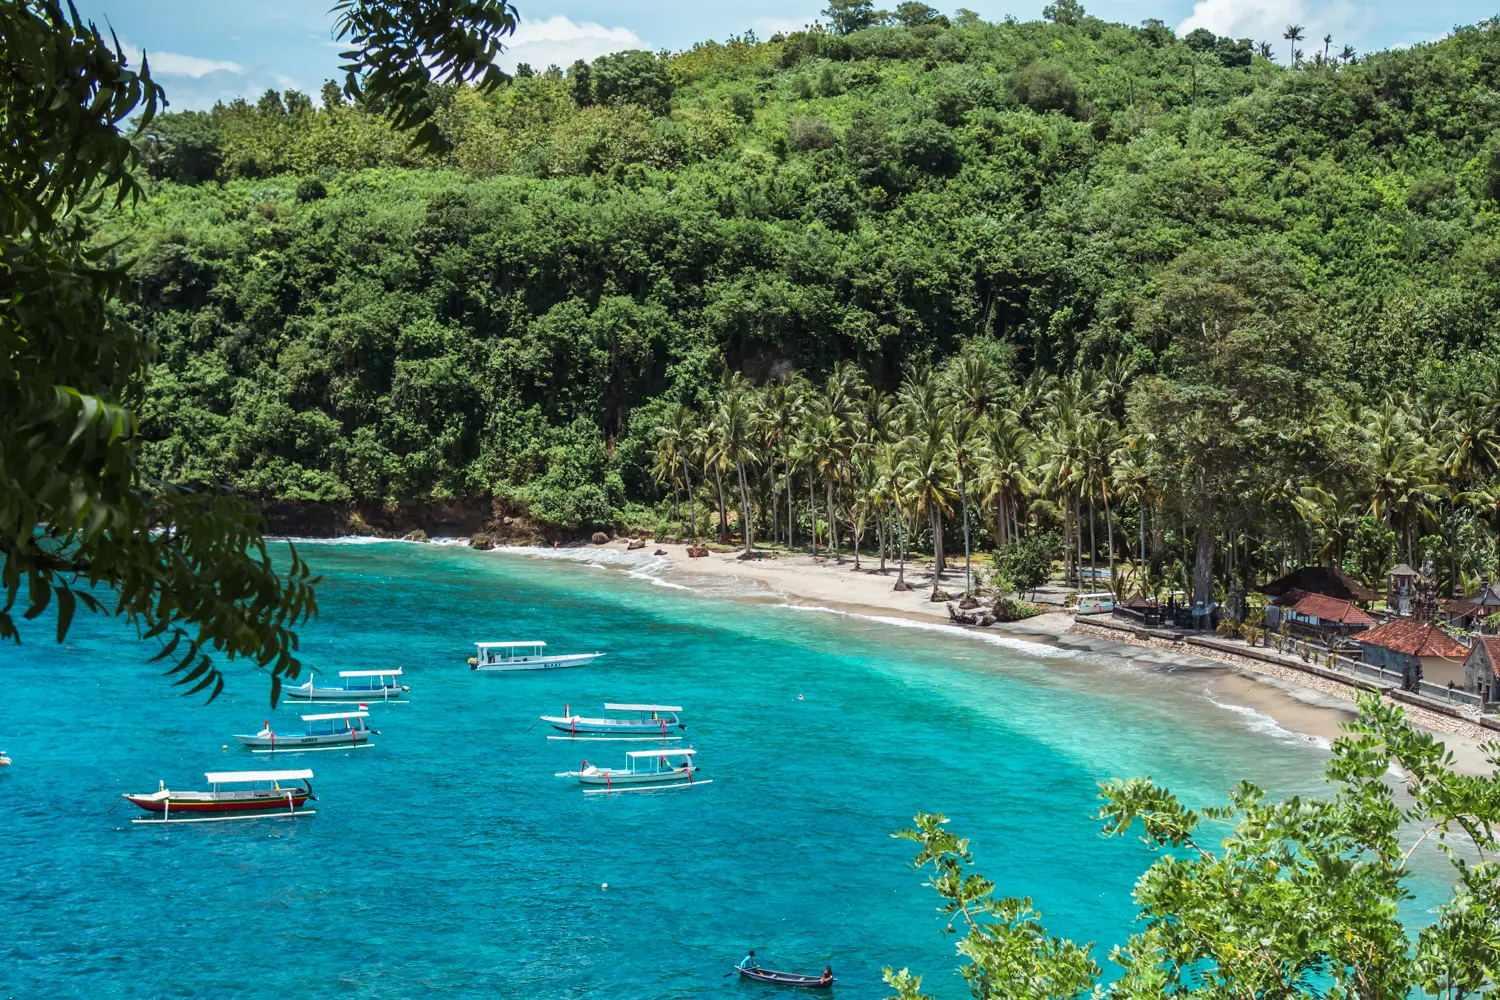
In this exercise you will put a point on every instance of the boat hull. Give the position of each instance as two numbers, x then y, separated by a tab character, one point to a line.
616	727
215	803
540	662
786	979
305	692
287	741
610	777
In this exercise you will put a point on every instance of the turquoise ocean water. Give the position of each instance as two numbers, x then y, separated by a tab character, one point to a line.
447	861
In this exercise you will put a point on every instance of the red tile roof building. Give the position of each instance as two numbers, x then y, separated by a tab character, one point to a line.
1482	668
1331	611
1416	651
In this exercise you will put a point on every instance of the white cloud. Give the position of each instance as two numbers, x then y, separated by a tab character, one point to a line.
1266	20
560	40
174	64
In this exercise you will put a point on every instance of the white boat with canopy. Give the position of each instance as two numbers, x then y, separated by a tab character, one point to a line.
327	731
647	769
646	721
525	655
358	686
265	797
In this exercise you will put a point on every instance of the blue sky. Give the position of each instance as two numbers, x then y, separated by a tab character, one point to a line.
208	50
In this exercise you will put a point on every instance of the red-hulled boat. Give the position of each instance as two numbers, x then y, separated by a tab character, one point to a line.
265	795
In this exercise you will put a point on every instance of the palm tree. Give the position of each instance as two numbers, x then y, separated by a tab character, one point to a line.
814	446
886	493
1006	464
1098	443
1327	41
666	467
965	440
1347	55
1133	475
926	418
735	442
837	408
778	415
926	479
677	439
1264	48
1403	472
1294	35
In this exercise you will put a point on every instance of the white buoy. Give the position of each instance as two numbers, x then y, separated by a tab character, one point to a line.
604	886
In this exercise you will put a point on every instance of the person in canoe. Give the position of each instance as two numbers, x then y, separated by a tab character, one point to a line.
827	975
748	962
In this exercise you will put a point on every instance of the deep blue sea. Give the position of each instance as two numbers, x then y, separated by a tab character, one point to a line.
448	861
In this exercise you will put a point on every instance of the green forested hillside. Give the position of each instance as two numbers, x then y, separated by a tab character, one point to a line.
339	318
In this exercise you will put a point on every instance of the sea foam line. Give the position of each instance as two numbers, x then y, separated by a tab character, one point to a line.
1039	650
1262	723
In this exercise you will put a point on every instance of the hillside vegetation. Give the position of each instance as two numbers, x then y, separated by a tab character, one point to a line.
339	318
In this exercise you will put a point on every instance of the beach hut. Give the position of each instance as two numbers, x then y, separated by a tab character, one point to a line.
1327	617
1324	581
1416	651
1482	669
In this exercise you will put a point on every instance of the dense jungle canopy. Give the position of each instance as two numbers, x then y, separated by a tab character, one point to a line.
341	318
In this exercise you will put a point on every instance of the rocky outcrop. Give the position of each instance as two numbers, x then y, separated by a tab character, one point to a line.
698	552
415	536
599	538
636	543
481	540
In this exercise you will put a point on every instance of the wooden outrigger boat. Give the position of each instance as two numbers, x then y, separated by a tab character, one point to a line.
786	978
330	731
525	656
4	759
648	769
358	686
642	720
265	797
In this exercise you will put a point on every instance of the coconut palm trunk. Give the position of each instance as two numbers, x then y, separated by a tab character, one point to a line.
833	525
901	572
791	519
747	530
1093	544
812	512
723	515
1109	540
937	546
1067	538
963	501
692	509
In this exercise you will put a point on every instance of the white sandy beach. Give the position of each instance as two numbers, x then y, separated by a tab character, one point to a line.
1297	702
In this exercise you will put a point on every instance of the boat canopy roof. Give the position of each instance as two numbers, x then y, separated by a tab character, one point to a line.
224	777
1094	597
507	645
608	707
661	753
335	715
371	673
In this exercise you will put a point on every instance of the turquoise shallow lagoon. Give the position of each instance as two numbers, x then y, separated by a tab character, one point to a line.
447	861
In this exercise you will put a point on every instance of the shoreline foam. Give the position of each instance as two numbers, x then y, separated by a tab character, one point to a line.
1283	707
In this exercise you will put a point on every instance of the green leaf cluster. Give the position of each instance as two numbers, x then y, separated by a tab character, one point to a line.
1299	898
